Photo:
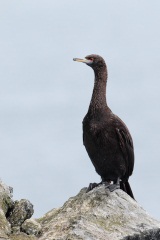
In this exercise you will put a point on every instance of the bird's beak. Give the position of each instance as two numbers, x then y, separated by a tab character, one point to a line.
82	60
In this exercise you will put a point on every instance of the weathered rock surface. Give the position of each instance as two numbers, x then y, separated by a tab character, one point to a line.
12	215
21	211
97	215
6	202
31	227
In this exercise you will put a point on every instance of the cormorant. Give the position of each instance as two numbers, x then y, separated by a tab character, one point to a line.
105	136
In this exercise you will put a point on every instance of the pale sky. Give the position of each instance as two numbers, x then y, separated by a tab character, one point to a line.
44	95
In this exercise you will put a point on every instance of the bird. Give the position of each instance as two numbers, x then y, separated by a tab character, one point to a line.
106	137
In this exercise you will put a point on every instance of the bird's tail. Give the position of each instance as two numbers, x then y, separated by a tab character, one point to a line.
125	186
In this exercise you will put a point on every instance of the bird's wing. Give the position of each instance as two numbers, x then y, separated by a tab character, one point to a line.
126	144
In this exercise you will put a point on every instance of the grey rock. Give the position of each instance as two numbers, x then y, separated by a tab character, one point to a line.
31	227
5	227
99	215
21	211
6	202
21	236
17	212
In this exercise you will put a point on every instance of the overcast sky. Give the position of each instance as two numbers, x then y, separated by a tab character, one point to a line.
44	95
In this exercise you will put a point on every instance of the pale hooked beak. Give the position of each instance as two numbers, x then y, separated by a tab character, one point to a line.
87	61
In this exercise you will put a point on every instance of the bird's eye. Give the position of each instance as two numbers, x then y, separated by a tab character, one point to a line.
90	59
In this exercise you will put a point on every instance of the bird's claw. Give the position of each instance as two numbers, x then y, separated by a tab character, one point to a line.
113	187
107	185
92	185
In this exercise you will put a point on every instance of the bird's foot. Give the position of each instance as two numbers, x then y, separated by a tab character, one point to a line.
92	185
113	187
106	184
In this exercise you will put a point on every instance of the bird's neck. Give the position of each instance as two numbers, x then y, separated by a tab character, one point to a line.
98	100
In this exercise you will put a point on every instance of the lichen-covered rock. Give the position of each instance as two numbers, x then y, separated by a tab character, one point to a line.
99	215
21	211
5	228
31	227
21	236
16	212
6	202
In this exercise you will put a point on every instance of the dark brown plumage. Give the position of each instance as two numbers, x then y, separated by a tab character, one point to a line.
105	136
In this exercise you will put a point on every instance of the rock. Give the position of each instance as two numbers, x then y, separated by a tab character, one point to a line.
21	211
21	236
5	228
16	212
99	215
31	227
6	202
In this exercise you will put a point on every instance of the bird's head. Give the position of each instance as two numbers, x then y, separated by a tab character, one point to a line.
94	61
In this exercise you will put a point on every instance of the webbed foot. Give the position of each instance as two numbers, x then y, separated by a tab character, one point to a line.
106	184
114	186
92	185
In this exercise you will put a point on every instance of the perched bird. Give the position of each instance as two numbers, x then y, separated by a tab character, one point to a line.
105	136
